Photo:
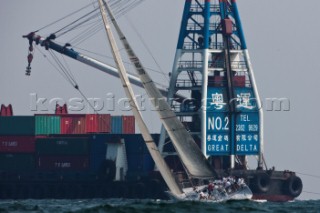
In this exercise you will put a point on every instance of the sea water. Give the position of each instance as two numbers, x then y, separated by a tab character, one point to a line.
149	206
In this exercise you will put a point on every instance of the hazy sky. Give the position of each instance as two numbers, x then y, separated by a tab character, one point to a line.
282	38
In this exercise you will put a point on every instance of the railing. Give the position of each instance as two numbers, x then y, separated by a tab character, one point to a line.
190	64
197	8
213	46
187	83
211	64
234	65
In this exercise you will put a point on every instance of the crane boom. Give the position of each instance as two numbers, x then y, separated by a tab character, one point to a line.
49	44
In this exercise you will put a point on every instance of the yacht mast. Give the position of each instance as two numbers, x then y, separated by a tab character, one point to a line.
159	161
189	152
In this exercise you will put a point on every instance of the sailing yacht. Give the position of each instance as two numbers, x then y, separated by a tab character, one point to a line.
191	156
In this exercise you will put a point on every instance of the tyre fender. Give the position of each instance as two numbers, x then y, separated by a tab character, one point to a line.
262	182
294	186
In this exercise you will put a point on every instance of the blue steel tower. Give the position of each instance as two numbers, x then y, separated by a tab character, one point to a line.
212	69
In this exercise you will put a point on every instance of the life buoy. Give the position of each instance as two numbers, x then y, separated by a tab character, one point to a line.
294	186
262	182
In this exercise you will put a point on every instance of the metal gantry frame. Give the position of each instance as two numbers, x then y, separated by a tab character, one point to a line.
200	54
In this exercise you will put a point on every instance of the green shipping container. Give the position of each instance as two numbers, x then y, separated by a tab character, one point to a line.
62	146
48	124
17	125
17	162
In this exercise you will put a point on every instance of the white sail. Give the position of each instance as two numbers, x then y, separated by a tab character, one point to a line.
188	151
155	154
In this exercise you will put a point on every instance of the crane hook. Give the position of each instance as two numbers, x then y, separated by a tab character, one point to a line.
30	58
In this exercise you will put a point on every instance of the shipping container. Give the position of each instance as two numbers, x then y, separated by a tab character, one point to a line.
17	162
98	150
116	124
135	143
17	125
140	163
128	124
73	124
17	144
98	123
98	143
63	163
47	124
62	146
96	161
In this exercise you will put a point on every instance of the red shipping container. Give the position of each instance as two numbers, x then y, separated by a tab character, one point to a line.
73	124
17	144
63	163
239	81
128	124
98	123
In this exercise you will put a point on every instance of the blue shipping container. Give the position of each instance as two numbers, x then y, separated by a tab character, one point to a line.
140	163
135	143
98	150
116	124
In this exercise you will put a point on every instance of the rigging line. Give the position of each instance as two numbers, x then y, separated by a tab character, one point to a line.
128	8
315	193
148	50
310	175
89	35
52	23
92	31
76	26
87	14
86	99
86	24
53	65
86	32
75	86
63	69
67	66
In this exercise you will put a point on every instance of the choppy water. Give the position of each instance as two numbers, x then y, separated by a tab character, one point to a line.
149	206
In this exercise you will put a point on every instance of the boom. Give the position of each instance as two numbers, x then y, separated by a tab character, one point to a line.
49	44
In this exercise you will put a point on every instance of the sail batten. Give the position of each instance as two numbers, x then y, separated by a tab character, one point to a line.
188	151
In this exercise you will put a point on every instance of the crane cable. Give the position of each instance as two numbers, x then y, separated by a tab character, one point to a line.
64	17
148	50
63	70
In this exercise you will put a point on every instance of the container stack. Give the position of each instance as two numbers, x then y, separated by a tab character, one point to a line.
62	153
17	143
139	159
75	124
65	143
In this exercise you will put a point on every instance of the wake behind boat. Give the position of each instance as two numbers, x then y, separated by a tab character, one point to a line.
216	191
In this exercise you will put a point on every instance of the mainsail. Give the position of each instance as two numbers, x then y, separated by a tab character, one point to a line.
161	164
188	151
